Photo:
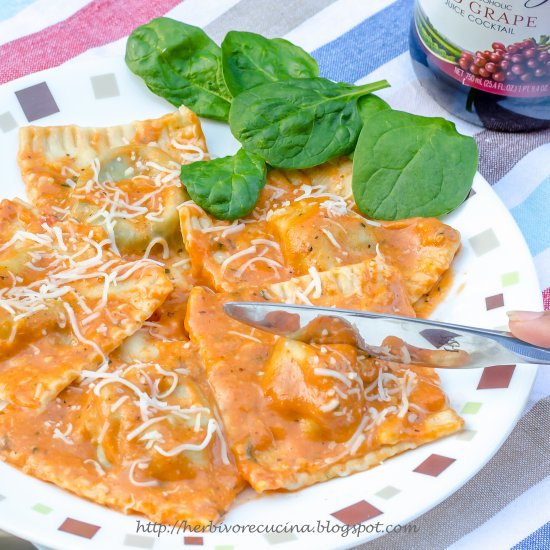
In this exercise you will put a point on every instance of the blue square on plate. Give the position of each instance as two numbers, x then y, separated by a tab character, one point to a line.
37	101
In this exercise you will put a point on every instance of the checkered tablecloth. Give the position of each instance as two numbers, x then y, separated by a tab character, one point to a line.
506	504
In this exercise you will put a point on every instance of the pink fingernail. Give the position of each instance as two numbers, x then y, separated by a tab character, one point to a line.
524	315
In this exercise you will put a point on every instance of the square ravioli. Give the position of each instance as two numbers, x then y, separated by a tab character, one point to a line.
65	302
226	256
304	221
133	193
142	436
121	378
124	180
52	158
371	285
421	249
296	414
250	252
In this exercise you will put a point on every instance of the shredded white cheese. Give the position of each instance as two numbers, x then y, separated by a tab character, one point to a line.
319	371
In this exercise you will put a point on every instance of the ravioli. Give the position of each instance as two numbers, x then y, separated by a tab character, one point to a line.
422	249
310	201
297	414
311	236
65	302
252	252
124	179
332	179
122	380
133	192
228	256
371	285
304	220
143	436
52	158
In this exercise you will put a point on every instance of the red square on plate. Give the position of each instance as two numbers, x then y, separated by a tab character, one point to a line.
357	513
434	465
193	541
496	377
79	528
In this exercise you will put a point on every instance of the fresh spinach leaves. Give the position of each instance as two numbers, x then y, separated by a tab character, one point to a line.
299	123
284	114
407	165
369	105
228	187
180	63
250	59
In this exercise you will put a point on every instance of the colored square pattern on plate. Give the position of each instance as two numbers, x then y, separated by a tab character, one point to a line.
466	435
79	528
42	508
471	408
494	302
438	337
104	86
357	513
388	492
508	279
37	101
484	242
193	541
7	122
137	541
434	465
496	377
279	538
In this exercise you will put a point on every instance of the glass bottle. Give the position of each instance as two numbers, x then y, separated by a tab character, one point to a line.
486	61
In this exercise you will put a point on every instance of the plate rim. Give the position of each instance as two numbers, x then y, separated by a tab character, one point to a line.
51	539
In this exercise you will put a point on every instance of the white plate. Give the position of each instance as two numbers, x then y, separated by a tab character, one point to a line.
494	262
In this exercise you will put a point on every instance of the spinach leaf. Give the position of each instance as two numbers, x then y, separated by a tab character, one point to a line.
250	59
369	105
180	63
407	165
299	123
227	187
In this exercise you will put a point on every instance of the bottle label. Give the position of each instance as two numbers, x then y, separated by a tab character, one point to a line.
498	46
